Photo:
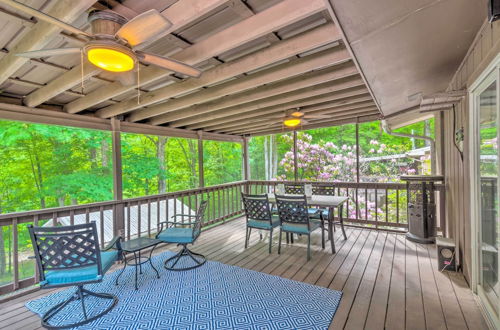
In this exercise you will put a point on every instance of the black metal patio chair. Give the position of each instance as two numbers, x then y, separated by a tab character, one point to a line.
259	216
295	219
176	232
70	256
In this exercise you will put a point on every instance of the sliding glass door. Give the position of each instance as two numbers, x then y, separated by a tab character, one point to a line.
486	172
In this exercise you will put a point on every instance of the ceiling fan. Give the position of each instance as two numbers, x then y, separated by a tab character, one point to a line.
295	118
113	43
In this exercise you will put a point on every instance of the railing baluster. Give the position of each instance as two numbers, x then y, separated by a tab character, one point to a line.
87	215
101	222
129	205
397	205
376	208
72	217
15	252
149	218
386	205
158	217
139	218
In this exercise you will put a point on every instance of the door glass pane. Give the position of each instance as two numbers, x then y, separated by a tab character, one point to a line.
489	202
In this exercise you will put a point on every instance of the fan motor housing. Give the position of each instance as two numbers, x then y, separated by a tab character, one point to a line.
105	23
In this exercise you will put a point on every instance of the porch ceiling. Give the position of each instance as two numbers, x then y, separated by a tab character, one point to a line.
409	47
259	59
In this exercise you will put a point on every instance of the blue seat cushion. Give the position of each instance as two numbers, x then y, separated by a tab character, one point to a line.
264	224
176	235
301	228
84	274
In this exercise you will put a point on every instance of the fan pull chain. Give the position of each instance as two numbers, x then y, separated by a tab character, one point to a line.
81	66
138	84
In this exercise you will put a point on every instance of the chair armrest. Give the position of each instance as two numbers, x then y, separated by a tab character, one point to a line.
115	242
180	223
183	215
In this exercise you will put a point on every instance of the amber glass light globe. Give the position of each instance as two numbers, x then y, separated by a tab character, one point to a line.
110	59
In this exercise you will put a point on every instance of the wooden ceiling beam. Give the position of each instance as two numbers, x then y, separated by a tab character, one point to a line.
285	49
306	101
74	76
265	22
335	81
333	109
294	68
336	122
197	112
318	123
31	84
41	34
261	124
355	102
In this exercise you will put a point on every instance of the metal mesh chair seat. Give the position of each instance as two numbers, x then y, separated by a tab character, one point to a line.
300	228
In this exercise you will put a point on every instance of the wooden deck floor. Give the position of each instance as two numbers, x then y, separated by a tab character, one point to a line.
387	281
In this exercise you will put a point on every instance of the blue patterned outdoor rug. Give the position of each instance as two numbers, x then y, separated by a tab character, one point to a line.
214	296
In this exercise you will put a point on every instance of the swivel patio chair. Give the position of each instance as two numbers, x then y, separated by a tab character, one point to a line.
295	219
70	256
176	232
259	216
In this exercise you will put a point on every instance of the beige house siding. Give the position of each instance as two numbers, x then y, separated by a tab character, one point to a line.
482	51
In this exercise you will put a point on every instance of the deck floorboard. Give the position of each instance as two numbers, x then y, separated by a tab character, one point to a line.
386	281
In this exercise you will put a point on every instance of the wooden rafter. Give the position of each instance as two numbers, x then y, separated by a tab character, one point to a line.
342	82
307	101
275	53
267	21
275	90
356	102
40	35
295	68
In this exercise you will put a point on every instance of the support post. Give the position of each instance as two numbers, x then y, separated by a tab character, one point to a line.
357	149
201	174
118	214
246	164
295	168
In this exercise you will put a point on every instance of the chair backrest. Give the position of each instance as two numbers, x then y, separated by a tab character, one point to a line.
200	217
257	207
293	209
324	190
294	189
65	247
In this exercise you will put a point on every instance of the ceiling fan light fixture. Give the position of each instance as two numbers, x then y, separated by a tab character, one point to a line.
114	57
291	122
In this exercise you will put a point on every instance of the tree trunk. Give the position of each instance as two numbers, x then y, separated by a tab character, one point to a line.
160	154
105	155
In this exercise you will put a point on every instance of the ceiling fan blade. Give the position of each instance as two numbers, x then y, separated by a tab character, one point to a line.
169	64
44	17
50	52
128	78
148	25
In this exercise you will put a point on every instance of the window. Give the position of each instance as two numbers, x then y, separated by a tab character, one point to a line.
222	162
48	166
158	164
383	157
266	154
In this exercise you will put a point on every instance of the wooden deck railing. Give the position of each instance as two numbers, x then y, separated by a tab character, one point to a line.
376	205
